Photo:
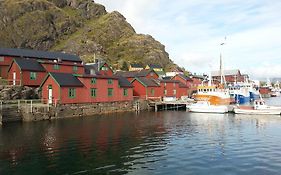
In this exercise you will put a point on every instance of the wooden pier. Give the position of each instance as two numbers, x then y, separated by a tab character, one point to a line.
169	105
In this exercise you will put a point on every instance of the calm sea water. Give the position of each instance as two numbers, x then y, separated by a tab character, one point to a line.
170	142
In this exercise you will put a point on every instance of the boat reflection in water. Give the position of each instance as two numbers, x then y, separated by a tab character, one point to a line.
167	142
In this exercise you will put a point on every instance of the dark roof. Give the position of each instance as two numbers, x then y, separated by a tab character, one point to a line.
123	82
137	65
147	82
89	67
29	65
131	74
198	76
38	54
97	76
157	66
167	78
65	79
184	77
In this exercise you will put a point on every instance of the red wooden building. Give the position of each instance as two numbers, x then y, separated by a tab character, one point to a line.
45	58
184	80
145	73
146	88
231	76
99	68
67	88
27	72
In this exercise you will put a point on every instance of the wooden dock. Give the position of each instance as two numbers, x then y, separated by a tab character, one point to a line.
169	105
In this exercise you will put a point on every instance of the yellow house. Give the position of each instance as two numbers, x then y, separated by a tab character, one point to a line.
155	67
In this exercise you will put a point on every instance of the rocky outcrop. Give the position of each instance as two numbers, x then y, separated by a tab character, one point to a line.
81	27
18	92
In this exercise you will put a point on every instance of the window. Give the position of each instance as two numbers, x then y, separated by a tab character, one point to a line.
165	84
165	92
151	74
1	59
109	81
93	92
94	80
56	67
110	92
104	68
75	68
71	92
174	92
32	75
152	92
125	92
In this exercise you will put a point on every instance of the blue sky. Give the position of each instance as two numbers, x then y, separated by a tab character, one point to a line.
193	30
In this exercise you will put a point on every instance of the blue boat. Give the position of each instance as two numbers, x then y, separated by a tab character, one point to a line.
240	94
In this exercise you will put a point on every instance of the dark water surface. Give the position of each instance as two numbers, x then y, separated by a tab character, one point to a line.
170	142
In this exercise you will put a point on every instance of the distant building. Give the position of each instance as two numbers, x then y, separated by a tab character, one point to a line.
231	76
130	75
157	68
135	67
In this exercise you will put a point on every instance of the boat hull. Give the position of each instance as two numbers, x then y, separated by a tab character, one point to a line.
208	109
214	100
240	99
254	96
257	112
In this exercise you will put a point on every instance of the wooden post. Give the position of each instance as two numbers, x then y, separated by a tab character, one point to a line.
1	106
31	106
18	105
156	107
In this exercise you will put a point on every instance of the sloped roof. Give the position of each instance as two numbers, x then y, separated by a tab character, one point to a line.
123	82
147	82
153	66
159	73
27	53
29	65
136	65
132	74
167	78
66	79
226	72
198	76
184	77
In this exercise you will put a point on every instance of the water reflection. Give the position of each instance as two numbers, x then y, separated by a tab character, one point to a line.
149	143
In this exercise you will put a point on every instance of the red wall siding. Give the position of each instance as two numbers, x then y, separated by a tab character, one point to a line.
26	81
182	92
140	90
4	66
152	75
108	72
55	87
14	68
63	68
170	87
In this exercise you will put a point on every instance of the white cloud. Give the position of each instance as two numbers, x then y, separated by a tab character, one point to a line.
192	30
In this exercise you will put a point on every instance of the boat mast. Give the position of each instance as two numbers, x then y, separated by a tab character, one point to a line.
221	65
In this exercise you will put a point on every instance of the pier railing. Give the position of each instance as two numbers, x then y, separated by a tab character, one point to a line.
27	104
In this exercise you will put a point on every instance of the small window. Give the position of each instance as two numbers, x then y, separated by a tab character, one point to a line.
174	92
109	81
104	68
151	74
110	92
125	92
93	80
56	67
165	84
1	59
93	92
165	92
33	75
152	92
75	68
71	92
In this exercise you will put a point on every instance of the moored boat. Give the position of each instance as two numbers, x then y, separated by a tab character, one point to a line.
259	108
206	107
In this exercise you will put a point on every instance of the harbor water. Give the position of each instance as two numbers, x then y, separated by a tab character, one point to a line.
166	142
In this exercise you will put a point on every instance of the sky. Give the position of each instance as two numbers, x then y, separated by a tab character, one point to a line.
192	31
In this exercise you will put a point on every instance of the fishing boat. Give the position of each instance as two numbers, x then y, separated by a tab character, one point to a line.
240	94
206	107
259	108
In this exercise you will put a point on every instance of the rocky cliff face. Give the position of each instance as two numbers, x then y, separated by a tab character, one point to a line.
82	27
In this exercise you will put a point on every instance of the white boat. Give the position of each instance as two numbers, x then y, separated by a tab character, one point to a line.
259	108
206	107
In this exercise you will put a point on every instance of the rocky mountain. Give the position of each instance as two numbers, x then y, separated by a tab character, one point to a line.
81	27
